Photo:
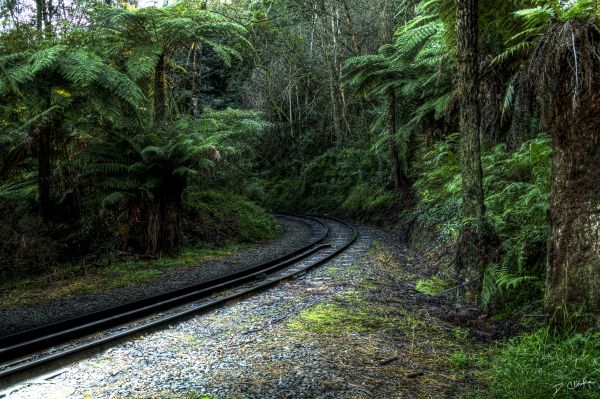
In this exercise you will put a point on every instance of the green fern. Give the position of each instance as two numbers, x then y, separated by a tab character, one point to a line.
517	190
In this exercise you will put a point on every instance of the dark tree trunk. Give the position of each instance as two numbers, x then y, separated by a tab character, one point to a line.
355	45
491	129
44	157
573	277
170	233
40	5
468	89
521	115
472	243
397	174
162	232
160	88
196	78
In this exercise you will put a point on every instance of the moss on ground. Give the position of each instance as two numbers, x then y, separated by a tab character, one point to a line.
378	327
431	286
333	270
348	312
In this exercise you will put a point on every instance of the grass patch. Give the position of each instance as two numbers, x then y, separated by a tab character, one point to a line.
459	360
431	286
539	365
348	314
333	318
333	270
105	274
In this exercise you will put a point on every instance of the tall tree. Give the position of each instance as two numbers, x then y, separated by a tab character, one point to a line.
158	166
470	254
564	71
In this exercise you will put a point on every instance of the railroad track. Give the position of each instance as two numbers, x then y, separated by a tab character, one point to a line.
35	351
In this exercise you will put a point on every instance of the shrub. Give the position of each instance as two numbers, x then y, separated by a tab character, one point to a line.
216	217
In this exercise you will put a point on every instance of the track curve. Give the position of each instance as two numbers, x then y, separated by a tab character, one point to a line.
32	349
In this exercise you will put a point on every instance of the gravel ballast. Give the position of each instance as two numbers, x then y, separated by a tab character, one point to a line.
352	328
296	234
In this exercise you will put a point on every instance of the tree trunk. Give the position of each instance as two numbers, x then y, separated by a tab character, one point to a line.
40	5
355	46
196	75
491	131
44	157
330	55
520	124
471	247
162	232
170	232
391	128
160	88
573	277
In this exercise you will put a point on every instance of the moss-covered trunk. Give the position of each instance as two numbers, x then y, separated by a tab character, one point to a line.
162	230
160	88
468	92
472	245
573	276
397	174
44	159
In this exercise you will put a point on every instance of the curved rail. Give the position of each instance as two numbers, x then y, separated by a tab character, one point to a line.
14	347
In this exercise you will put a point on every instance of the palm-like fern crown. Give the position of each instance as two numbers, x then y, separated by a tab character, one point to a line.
142	36
552	33
132	163
56	76
53	85
372	75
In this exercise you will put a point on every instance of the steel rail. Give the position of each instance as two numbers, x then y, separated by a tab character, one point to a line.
18	350
40	336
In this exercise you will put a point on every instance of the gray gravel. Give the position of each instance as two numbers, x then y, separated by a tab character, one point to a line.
241	350
296	234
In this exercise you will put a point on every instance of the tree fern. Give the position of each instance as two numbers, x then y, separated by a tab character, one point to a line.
147	39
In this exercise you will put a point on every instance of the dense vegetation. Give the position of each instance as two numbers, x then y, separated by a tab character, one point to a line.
467	124
102	136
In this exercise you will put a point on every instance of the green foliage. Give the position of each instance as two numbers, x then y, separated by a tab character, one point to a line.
148	41
145	165
346	181
368	200
459	360
226	216
329	175
348	314
517	187
541	365
439	187
431	286
81	99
